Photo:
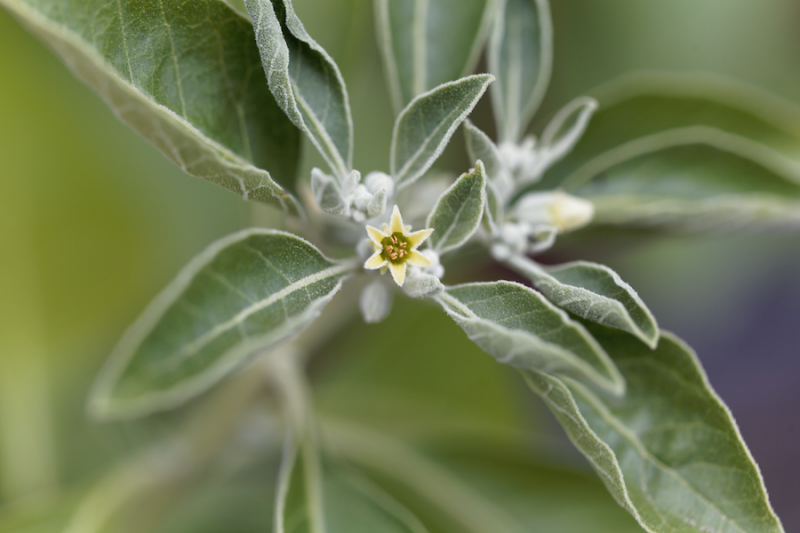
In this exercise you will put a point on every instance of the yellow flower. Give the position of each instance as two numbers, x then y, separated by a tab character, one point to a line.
395	247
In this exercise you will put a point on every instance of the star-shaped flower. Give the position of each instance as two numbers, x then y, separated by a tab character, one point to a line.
396	247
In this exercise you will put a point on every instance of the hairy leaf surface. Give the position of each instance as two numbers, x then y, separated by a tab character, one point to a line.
186	78
426	43
519	327
593	292
695	153
244	293
521	56
425	126
305	81
669	451
458	212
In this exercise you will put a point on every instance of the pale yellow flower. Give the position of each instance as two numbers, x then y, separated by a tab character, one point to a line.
396	247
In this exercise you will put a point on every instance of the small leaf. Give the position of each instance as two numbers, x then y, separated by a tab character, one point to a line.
243	294
518	327
593	292
668	451
314	496
521	56
425	43
184	80
480	146
563	132
305	81
425	126
458	211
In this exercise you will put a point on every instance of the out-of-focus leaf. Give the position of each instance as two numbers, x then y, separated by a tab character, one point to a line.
317	498
305	81
479	489
593	292
521	56
426	43
425	126
519	327
244	293
458	212
669	451
184	80
480	146
690	152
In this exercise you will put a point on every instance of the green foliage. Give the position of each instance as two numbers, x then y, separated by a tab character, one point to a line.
150	67
414	431
425	126
245	293
458	212
669	451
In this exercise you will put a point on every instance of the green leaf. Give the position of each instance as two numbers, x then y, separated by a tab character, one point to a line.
243	294
314	497
518	327
305	81
689	152
425	126
593	292
669	451
480	146
426	43
184	79
458	211
521	56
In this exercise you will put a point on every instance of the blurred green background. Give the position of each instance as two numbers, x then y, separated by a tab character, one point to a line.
94	221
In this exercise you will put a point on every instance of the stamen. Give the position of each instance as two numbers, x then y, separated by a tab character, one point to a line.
403	244
394	239
393	256
402	253
389	249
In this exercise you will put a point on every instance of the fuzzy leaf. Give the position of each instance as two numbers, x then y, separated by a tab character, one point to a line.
183	79
518	327
315	497
426	43
305	81
425	126
668	451
458	211
593	292
521	56
243	294
687	152
480	146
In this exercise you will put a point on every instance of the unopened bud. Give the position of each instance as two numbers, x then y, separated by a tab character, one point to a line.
556	208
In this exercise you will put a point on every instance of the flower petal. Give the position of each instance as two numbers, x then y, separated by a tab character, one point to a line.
375	261
397	221
418	237
376	235
416	258
398	272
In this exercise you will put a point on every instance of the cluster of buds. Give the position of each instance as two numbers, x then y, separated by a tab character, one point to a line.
350	197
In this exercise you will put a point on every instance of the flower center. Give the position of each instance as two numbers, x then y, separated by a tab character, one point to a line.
395	248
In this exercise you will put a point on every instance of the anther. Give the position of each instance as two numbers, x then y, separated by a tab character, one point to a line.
393	256
389	249
403	244
394	239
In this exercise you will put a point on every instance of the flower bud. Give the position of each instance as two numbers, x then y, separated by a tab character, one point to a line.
556	208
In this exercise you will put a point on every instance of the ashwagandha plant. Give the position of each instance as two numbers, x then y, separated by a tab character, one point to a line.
228	98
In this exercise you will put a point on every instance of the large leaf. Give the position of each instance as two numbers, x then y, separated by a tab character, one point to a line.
690	152
521	56
669	451
520	328
185	77
244	293
458	212
305	81
313	497
593	292
429	42
425	126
